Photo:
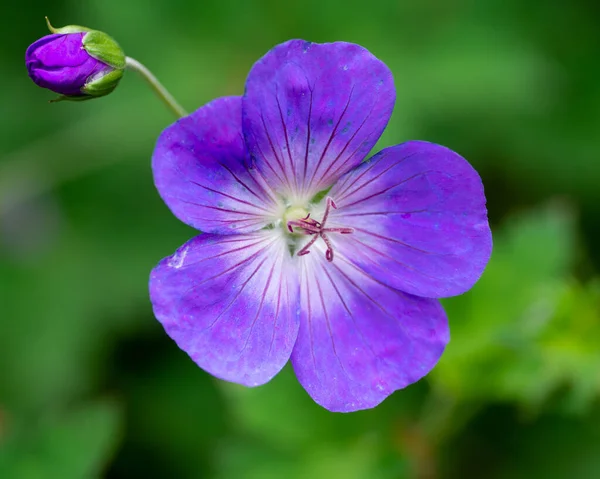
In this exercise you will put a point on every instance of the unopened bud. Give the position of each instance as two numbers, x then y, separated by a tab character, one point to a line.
76	62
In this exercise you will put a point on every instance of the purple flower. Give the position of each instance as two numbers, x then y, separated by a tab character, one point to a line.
309	252
76	64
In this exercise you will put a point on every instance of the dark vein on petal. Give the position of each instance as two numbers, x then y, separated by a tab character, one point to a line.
251	221
235	239
376	303
239	225
243	237
400	263
371	180
283	170
357	149
365	342
383	213
350	156
267	187
325	312
260	306
287	142
268	163
386	189
350	180
246	186
333	133
309	320
237	265
237	295
307	139
230	197
277	308
331	165
224	253
406	296
220	209
393	240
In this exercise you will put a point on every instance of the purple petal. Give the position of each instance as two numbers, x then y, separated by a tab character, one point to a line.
60	63
419	218
311	112
200	173
360	340
59	50
230	302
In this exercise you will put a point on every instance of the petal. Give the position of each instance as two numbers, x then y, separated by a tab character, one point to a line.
360	340
419	218
199	171
58	51
59	62
230	302
311	112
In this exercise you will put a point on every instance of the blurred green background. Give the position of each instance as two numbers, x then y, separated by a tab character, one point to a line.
90	386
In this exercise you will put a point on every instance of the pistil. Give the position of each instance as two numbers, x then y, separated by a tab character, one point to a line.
310	226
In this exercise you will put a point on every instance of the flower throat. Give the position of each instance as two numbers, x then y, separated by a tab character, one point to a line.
310	226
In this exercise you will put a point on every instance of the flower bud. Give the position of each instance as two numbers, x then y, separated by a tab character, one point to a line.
76	62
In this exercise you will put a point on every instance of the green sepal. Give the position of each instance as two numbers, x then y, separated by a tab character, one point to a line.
102	85
71	98
102	47
67	29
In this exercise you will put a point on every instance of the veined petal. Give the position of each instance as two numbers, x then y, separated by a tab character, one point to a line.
311	112
360	340
230	302
419	219
200	172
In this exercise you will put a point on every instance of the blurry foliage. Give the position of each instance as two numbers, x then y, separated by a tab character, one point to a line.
72	445
541	331
511	85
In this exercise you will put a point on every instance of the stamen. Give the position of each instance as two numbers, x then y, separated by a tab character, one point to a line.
306	250
329	252
310	226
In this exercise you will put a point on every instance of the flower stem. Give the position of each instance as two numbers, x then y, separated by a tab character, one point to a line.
157	86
